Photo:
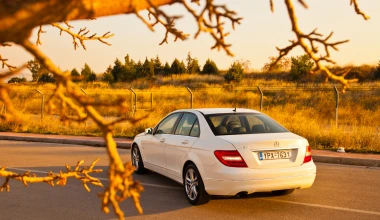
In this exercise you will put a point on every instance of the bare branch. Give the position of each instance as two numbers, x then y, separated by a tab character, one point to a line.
82	174
214	28
313	38
357	9
121	184
82	35
4	64
40	31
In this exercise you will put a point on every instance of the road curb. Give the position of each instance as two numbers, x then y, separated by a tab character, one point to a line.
347	161
95	143
127	145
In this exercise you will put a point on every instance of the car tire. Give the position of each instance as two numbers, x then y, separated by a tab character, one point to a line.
194	188
283	192
137	161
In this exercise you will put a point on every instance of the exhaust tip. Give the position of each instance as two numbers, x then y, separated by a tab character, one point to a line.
243	194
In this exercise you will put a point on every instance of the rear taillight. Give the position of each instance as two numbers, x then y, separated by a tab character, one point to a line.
307	155
230	158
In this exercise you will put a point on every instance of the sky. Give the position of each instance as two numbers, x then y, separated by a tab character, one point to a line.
256	39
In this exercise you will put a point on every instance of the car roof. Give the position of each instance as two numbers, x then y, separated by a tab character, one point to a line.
208	111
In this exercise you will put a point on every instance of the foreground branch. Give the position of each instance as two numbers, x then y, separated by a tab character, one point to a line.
309	43
82	35
82	174
121	184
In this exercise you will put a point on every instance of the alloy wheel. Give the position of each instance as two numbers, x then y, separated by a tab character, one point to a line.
191	184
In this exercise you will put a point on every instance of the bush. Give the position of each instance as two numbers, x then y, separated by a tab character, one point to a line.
17	80
210	68
301	65
46	78
377	71
234	73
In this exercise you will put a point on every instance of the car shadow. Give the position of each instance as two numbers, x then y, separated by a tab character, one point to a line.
160	195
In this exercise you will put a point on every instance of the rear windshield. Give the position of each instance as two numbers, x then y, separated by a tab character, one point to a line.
243	123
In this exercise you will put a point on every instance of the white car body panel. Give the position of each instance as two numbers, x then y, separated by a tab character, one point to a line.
170	156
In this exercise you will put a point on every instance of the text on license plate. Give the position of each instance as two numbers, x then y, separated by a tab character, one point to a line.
274	155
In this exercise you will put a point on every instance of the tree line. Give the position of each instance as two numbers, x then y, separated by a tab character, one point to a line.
129	70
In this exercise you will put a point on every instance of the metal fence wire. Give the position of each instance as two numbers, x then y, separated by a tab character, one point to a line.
31	101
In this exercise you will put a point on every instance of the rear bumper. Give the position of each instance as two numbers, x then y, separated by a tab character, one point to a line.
228	187
261	180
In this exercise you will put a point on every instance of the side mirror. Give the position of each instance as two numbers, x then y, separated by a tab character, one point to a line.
148	131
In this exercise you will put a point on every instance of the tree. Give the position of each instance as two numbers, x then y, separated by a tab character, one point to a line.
17	80
46	78
192	64
175	68
107	75
301	65
146	69
35	67
182	67
246	64
377	71
75	75
167	69
16	26
210	68
158	68
282	65
117	70
235	73
87	74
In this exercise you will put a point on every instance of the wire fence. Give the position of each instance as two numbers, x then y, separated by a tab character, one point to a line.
325	99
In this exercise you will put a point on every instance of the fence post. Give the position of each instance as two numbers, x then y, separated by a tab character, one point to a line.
337	105
134	103
151	101
42	103
85	93
191	97
261	98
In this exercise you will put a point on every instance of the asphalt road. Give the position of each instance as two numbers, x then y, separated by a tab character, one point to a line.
339	192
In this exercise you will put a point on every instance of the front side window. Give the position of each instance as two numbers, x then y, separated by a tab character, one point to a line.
166	126
243	123
185	124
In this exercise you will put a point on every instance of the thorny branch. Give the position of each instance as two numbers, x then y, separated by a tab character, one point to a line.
357	9
209	17
4	63
40	31
82	174
310	42
82	35
210	20
121	184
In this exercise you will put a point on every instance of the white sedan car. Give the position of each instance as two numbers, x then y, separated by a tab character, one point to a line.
225	151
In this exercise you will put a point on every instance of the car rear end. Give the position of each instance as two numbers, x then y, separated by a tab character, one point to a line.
263	160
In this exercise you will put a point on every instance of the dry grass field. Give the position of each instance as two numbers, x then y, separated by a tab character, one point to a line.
306	109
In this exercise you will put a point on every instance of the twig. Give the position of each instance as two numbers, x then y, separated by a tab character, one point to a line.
357	9
82	35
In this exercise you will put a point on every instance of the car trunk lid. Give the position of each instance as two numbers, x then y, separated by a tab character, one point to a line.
269	150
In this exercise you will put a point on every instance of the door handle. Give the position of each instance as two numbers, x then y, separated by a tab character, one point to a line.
162	140
185	142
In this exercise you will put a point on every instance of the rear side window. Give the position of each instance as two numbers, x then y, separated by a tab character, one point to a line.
166	126
185	124
195	132
243	123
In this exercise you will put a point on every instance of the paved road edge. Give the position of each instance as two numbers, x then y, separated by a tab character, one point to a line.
99	143
95	143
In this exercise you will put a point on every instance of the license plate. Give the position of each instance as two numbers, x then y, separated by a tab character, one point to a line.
274	155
